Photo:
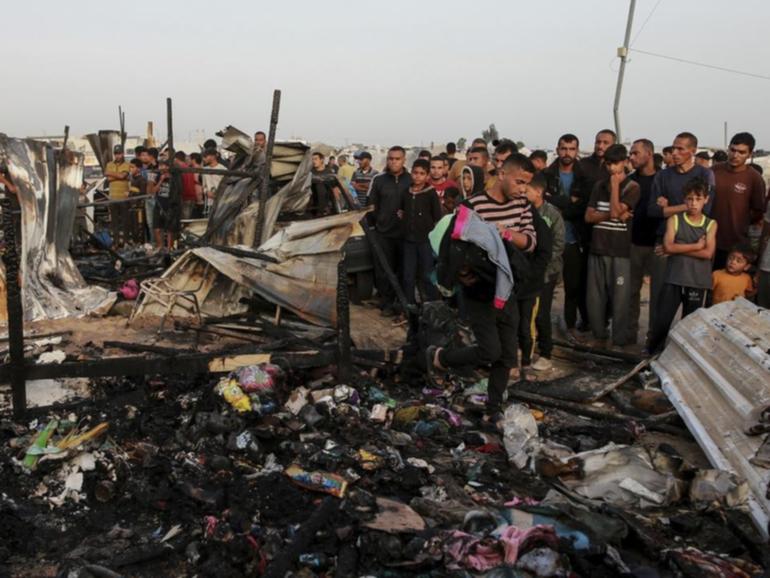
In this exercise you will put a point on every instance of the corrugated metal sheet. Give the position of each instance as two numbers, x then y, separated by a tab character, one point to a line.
48	181
303	280
716	371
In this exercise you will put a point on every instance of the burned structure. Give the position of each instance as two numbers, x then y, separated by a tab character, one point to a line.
274	428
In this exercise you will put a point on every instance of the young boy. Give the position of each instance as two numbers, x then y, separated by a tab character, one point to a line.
689	242
420	211
529	290
553	219
734	280
609	263
165	219
471	181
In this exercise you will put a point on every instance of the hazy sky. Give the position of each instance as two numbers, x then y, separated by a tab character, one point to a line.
385	72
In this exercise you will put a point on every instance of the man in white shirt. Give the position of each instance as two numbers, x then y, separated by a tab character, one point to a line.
210	182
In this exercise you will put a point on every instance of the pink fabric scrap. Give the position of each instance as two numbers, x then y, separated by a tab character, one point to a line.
501	548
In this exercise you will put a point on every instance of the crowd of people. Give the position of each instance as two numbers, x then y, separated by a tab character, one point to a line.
147	177
496	233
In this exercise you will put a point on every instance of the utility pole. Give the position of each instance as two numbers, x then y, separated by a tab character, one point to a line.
725	137
623	54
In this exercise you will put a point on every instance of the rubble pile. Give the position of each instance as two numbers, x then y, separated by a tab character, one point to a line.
271	470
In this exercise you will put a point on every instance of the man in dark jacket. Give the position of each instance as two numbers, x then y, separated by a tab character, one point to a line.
385	195
567	189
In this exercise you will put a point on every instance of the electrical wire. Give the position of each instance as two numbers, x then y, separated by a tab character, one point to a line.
646	20
701	64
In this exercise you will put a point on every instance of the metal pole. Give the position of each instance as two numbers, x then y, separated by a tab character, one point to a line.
122	120
263	191
175	184
623	54
169	125
725	138
15	313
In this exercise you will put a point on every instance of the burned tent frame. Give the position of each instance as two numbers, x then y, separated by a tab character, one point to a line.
19	370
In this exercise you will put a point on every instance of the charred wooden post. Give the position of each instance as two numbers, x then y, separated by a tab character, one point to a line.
15	313
343	324
263	190
170	128
175	181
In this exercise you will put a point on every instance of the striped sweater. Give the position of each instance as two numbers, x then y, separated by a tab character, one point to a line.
515	215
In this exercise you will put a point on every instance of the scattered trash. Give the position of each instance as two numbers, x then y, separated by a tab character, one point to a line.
233	394
520	435
55	356
318	481
395	517
718	486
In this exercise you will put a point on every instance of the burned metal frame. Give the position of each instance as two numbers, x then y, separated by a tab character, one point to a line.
139	365
263	191
15	314
18	370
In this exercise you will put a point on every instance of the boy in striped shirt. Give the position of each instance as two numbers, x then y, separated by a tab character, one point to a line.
610	211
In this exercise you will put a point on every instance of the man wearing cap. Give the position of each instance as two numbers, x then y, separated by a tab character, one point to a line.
117	173
362	177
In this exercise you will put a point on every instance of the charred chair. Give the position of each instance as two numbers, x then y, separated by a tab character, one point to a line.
160	291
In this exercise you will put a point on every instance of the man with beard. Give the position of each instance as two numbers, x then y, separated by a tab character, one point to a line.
593	166
566	191
739	197
643	233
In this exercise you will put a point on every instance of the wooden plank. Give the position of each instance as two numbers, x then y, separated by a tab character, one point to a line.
229	363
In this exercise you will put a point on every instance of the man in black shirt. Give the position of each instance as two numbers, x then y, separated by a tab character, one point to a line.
325	187
643	232
593	167
385	196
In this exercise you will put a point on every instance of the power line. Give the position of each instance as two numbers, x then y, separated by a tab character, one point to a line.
646	20
702	64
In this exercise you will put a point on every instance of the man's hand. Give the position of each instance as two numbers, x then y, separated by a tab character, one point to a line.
400	213
574	199
662	202
701	243
626	216
616	179
659	250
